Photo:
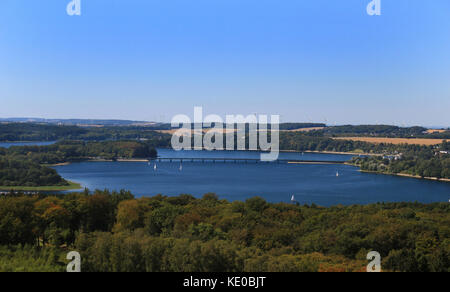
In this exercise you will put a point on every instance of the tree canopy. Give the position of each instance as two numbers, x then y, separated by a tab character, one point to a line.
115	232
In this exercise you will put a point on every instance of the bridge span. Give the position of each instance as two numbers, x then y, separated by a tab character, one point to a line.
243	160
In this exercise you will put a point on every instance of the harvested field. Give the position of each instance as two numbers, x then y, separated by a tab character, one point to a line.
436	131
305	129
396	141
186	132
224	131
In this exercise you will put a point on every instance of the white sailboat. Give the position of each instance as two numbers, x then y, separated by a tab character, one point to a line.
181	167
155	167
293	199
337	174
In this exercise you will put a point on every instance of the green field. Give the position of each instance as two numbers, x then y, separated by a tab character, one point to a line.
71	186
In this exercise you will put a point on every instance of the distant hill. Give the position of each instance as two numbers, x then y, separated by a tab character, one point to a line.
376	130
127	123
79	122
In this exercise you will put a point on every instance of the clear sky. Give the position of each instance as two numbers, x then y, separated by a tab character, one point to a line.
315	60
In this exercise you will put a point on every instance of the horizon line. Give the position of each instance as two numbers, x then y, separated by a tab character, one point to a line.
46	120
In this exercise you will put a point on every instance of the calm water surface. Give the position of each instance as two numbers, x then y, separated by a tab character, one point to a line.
251	155
239	181
11	144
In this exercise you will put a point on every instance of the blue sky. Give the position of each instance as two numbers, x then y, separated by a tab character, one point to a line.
315	60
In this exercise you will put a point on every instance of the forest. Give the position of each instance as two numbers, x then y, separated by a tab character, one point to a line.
436	167
52	132
424	161
49	132
25	166
70	151
375	130
16	172
315	141
114	232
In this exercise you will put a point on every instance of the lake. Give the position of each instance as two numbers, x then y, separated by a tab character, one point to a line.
11	144
239	181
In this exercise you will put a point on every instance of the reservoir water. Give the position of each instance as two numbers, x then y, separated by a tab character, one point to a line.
309	183
11	144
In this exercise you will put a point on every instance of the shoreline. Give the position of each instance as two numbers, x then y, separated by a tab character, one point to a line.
117	160
290	151
315	163
203	149
133	160
404	175
281	151
394	141
149	160
332	152
57	164
71	187
28	141
98	160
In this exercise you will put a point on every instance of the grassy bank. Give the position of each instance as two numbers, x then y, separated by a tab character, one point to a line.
71	186
404	175
397	174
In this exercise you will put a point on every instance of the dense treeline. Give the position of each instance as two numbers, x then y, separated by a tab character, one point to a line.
38	132
320	140
316	141
31	259
295	126
444	135
115	232
309	142
423	161
436	166
445	146
127	133
306	142
375	130
417	160
16	172
69	151
381	131
22	166
48	132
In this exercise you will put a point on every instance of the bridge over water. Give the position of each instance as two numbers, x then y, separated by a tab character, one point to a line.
244	160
